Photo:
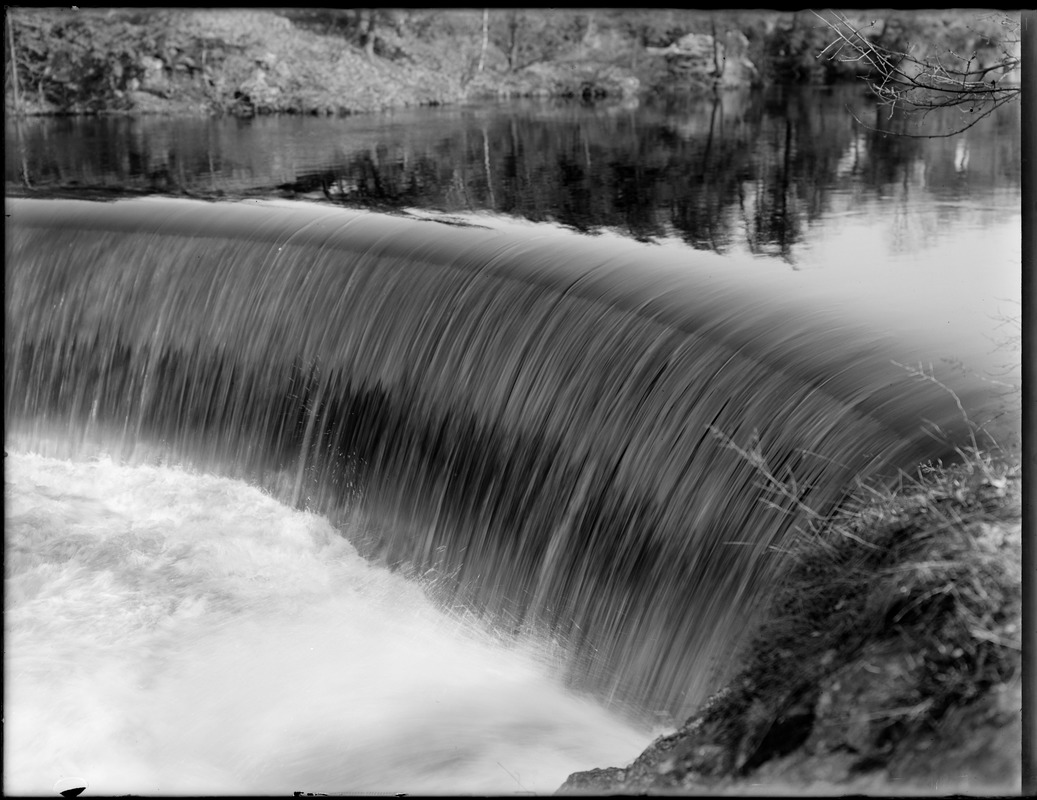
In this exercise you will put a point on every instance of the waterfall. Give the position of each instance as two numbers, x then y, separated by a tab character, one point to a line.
564	434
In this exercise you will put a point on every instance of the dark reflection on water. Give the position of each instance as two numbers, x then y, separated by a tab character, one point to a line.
750	170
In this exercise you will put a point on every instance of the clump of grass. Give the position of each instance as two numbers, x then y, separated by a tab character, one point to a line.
930	567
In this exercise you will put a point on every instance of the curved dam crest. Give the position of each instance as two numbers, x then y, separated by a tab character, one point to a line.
541	426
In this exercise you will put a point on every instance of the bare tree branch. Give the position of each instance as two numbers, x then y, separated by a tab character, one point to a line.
910	83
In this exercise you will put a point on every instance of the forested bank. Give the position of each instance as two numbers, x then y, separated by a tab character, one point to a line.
340	61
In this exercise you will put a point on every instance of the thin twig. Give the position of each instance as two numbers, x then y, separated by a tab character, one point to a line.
902	80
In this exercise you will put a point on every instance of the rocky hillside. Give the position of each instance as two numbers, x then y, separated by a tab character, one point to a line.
201	61
339	61
890	662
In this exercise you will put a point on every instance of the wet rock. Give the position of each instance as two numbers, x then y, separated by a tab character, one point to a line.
594	781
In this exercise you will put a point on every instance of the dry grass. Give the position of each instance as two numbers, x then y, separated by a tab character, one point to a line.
930	567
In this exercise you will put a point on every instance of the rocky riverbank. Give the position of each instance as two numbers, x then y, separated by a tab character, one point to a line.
890	661
343	61
238	62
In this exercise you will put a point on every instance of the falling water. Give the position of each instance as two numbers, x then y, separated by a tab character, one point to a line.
170	633
568	439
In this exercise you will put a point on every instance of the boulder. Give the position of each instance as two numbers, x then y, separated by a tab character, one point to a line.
153	75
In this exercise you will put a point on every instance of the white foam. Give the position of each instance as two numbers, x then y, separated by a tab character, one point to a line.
172	633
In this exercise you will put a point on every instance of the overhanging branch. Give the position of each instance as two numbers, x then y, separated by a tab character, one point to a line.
902	80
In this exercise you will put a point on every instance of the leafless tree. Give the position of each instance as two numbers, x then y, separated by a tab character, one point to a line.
922	82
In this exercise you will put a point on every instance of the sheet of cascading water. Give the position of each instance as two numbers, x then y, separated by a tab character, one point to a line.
175	633
534	423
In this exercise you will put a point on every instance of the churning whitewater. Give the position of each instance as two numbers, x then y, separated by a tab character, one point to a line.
179	633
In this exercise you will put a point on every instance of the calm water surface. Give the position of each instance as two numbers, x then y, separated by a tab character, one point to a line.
768	173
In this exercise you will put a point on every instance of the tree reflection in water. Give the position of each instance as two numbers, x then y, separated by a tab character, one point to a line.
738	170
